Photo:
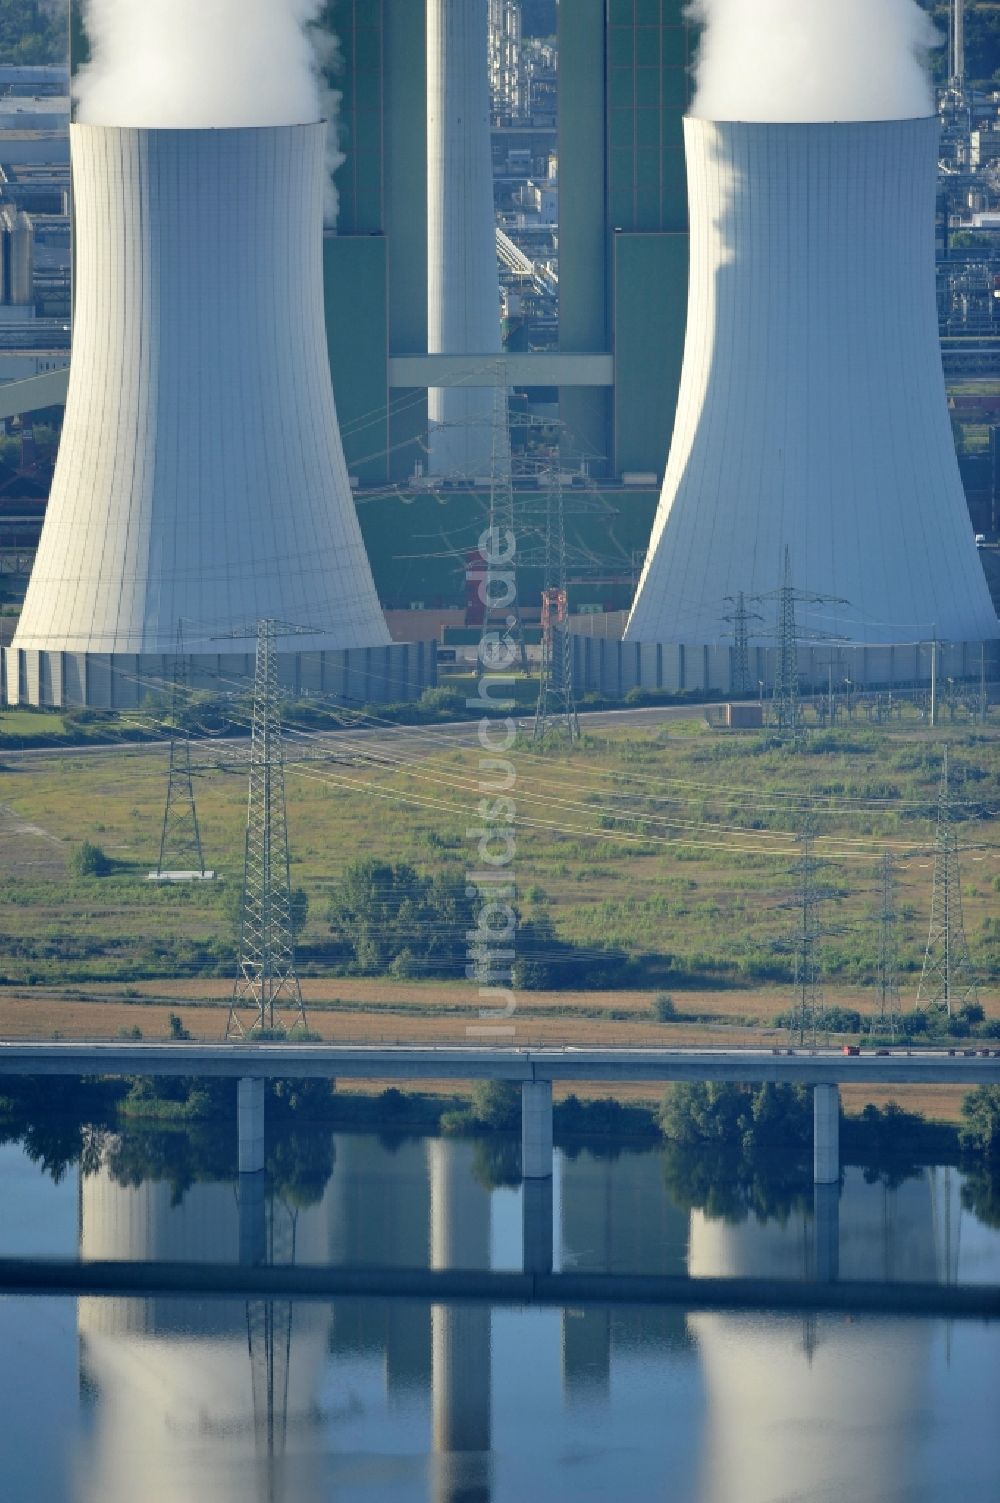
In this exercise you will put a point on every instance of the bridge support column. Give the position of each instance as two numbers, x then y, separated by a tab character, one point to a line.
250	1122
536	1129
826	1233
826	1134
536	1226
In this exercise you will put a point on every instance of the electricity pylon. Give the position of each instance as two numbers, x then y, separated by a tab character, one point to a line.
786	686
740	621
556	709
886	1019
803	943
267	984
180	837
947	979
502	637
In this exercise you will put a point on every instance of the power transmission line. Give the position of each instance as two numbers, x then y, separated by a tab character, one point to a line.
887	1013
740	620
180	836
267	983
947	979
502	638
803	943
787	709
556	709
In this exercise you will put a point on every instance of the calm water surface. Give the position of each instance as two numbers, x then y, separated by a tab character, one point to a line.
179	1400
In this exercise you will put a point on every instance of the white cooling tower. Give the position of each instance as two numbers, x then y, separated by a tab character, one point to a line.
201	477
463	292
812	410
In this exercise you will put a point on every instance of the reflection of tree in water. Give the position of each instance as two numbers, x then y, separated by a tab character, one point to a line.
496	1162
197	1144
981	1192
177	1156
299	1160
57	1140
732	1186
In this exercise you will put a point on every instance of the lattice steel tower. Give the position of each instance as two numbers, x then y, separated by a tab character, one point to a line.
556	709
267	985
947	979
803	943
740	621
786	685
180	836
886	1019
502	638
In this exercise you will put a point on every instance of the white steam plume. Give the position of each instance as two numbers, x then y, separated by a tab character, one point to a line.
204	64
810	60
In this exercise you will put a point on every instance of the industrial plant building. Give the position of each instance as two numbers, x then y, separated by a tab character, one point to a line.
815	425
624	86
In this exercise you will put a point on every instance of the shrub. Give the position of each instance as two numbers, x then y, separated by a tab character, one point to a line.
89	860
497	1105
176	1028
440	701
664	1008
384	915
980	1130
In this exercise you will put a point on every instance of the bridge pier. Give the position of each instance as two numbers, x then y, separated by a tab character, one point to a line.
250	1124
536	1226
826	1134
536	1129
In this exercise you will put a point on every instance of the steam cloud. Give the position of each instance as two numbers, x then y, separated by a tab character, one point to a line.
811	60
201	64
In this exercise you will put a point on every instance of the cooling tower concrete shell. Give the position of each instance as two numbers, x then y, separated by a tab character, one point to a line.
201	477
812	410
463	290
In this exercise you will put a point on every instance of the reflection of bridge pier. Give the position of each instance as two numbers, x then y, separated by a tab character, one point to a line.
378	1213
616	1217
252	1201
826	1233
461	1402
537	1228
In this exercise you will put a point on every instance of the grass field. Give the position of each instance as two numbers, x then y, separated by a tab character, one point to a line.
677	845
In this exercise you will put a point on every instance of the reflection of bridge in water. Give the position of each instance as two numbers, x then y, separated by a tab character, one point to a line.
244	1382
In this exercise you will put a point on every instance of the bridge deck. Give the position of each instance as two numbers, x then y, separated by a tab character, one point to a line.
405	1063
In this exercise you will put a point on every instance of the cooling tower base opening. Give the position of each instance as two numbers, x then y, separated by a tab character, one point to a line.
395	674
613	669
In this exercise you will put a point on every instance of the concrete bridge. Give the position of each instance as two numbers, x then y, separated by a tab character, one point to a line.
535	1070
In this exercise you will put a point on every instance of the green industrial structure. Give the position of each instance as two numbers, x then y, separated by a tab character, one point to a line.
624	88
